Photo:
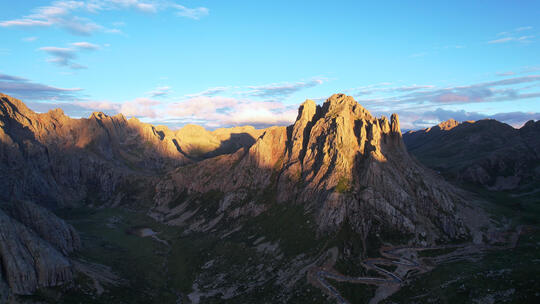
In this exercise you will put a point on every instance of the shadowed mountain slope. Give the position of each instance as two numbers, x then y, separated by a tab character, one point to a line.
486	152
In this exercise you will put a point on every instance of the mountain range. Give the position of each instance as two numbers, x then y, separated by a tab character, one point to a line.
110	209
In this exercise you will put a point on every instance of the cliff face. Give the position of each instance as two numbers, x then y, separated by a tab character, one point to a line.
487	152
34	245
340	162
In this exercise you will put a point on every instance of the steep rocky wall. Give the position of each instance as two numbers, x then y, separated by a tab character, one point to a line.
46	225
28	261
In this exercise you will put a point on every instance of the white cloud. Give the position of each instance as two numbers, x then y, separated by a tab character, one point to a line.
227	111
139	107
192	13
85	46
69	14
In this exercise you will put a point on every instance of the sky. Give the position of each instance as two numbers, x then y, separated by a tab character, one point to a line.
226	63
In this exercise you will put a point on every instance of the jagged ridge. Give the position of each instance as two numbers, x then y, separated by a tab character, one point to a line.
339	161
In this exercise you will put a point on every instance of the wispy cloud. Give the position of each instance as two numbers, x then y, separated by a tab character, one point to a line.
65	57
192	13
524	39
282	90
386	87
162	91
226	111
514	35
422	105
492	91
60	14
29	39
62	56
86	46
509	73
70	15
523	70
25	89
5	77
141	107
209	92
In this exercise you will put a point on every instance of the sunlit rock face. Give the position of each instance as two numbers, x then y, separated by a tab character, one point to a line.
342	163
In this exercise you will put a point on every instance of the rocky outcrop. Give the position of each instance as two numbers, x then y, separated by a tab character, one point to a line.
33	248
46	225
343	164
487	152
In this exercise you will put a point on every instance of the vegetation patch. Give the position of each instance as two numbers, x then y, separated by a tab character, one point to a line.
343	185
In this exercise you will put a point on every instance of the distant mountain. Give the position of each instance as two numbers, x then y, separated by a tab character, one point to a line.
337	182
486	152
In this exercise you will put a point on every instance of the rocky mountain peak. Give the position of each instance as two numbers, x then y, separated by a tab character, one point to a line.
12	107
98	115
344	105
307	110
448	125
531	123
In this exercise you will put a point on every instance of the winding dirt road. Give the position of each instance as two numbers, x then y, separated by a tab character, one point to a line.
408	263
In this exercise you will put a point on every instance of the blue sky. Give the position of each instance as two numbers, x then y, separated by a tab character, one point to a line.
224	63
